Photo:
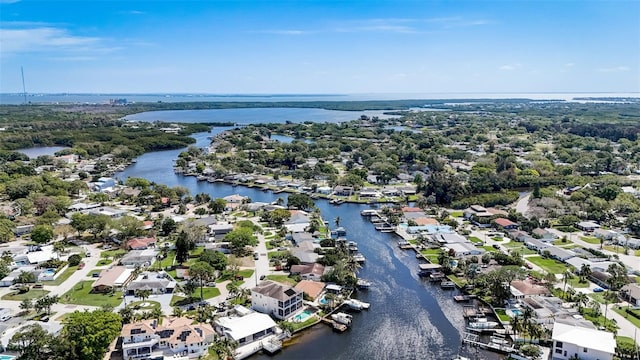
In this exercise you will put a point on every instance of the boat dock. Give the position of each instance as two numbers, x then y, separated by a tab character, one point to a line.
336	326
474	340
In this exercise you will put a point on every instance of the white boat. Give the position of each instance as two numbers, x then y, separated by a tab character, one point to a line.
342	318
482	324
499	340
368	212
356	304
359	258
363	284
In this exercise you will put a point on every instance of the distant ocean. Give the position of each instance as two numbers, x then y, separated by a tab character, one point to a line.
6	98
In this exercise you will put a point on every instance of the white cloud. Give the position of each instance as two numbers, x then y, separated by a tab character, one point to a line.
58	42
510	67
614	69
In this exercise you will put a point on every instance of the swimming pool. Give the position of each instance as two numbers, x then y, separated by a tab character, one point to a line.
516	312
303	316
7	357
47	271
323	301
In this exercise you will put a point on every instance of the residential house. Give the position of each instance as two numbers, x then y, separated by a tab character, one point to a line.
505	224
109	211
23	229
601	278
543	234
298	222
275	299
559	253
246	329
176	336
235	199
139	258
463	249
343	190
631	293
39	256
606	235
156	282
325	190
103	184
595	264
299	237
141	243
527	288
112	279
535	244
312	289
312	272
587	226
581	343
448	238
305	251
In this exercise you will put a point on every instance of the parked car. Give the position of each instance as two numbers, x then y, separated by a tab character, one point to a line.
262	277
598	289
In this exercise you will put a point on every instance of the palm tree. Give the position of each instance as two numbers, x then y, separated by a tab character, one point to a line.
177	311
581	299
156	313
143	294
26	305
585	272
516	326
566	276
570	293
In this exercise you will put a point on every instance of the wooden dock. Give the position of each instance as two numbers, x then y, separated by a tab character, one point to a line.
335	325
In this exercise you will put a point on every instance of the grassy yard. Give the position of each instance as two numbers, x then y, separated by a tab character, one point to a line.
62	277
550	265
502	315
489	248
560	242
475	240
622	311
575	283
456	214
600	297
104	262
600	320
207	292
523	250
168	261
590	239
112	253
31	294
283	279
81	295
431	254
277	254
245	273
300	325
90	274
458	281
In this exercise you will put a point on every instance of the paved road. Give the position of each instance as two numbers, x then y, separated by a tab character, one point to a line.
522	206
78	275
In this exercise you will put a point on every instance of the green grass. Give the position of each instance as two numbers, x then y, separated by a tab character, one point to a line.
599	297
457	214
112	253
283	279
475	240
176	298
269	245
560	242
458	281
81	295
550	265
196	252
600	320
207	293
575	283
590	239
622	312
245	273
104	262
489	248
62	277
168	261
277	254
502	315
300	325
90	274
31	294
513	244
523	250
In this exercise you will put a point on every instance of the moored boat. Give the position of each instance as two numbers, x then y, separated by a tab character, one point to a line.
482	324
342	318
357	305
363	284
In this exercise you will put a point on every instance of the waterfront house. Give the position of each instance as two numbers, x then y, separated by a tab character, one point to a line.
275	299
298	222
463	249
631	293
308	272
527	288
235	199
112	279
305	252
505	224
343	190
312	289
581	343
587	226
246	329
448	238
324	190
177	336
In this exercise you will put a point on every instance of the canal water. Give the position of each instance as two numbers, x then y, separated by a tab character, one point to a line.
409	318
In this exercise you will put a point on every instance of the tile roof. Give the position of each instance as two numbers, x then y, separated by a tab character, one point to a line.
275	290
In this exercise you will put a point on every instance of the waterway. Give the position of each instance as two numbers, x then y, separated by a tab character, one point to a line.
409	318
34	152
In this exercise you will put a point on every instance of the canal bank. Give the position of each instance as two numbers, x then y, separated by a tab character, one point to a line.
410	318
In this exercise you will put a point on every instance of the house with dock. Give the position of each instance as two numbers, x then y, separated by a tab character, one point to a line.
249	329
576	342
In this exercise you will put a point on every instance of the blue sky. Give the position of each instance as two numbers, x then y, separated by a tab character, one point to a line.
329	46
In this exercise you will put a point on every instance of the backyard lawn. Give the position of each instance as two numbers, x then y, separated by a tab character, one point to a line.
277	254
550	265
31	294
62	277
283	279
475	240
112	253
575	283
168	261
105	261
81	295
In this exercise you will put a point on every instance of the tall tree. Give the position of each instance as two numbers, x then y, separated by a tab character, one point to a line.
32	342
202	273
182	248
90	333
42	234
